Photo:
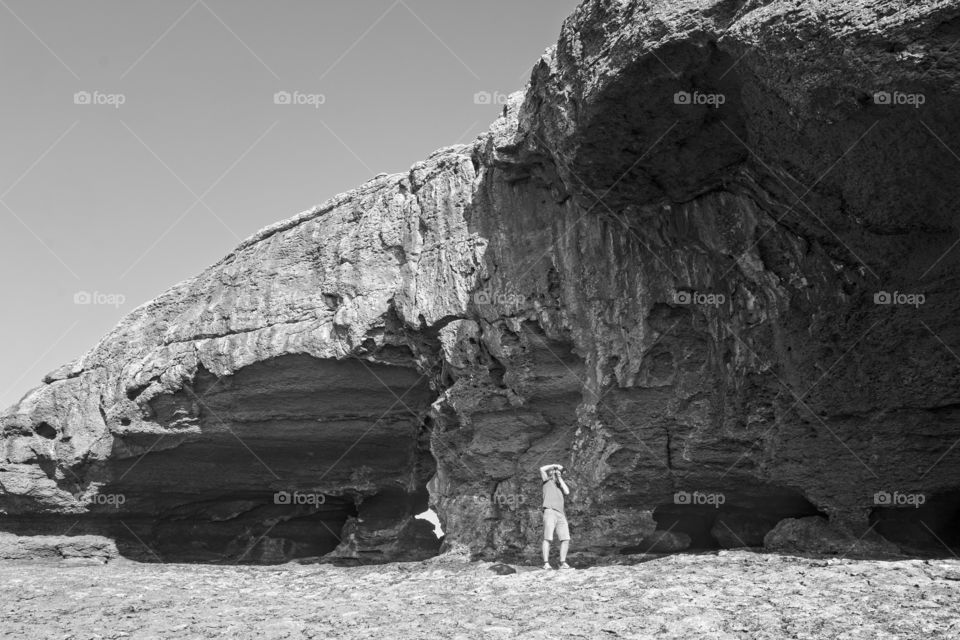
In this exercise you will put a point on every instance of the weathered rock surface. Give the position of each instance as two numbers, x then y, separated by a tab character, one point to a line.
725	595
502	569
681	300
661	542
77	548
815	535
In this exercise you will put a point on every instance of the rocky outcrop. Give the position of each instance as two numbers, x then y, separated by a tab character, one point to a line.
93	549
258	408
703	260
661	542
815	535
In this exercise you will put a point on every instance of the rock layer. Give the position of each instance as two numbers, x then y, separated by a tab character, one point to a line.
703	260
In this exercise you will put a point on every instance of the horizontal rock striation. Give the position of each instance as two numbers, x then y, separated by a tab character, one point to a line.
703	260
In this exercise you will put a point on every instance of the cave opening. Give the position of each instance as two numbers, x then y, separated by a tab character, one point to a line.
924	525
730	519
290	458
234	530
694	521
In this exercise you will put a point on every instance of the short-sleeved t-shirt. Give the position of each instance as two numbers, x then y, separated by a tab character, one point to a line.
552	495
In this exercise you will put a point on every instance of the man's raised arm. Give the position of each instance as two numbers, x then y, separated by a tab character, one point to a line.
544	469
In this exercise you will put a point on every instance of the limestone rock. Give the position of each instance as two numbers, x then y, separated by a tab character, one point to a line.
815	535
85	547
662	541
502	569
704	254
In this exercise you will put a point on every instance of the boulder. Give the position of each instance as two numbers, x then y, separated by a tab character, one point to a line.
76	548
814	534
661	541
502	569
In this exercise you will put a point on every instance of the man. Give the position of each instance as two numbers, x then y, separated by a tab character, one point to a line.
554	519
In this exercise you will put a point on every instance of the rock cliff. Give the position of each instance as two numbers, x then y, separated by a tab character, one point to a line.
704	260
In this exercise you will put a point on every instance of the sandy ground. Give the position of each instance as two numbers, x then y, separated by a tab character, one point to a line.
733	594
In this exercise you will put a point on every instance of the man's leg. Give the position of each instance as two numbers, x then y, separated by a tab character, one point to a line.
549	522
563	532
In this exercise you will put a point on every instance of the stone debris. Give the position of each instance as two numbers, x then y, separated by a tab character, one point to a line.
731	595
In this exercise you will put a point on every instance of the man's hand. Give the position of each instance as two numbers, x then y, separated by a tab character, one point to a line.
549	467
563	485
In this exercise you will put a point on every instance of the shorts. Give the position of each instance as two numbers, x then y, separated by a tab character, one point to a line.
554	520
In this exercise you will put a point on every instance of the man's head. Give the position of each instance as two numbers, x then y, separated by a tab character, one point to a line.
555	472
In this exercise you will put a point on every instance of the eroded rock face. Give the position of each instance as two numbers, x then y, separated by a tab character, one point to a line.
815	535
252	412
93	549
664	266
661	541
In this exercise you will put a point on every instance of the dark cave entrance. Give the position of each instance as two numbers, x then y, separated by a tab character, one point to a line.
742	519
289	458
233	531
928	529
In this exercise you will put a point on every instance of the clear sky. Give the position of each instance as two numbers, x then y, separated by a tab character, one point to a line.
142	140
